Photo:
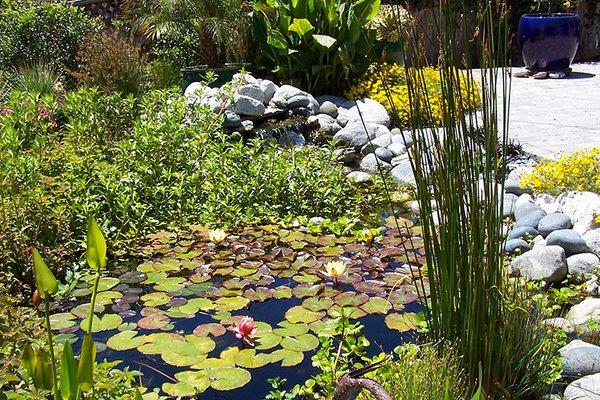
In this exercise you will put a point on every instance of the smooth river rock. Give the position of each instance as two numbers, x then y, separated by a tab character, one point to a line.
586	388
541	264
569	240
554	222
579	359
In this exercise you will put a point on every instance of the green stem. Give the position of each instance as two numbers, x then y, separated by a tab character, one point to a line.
93	302
51	346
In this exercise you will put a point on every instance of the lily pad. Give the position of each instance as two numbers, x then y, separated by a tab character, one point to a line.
198	379
288	358
105	323
231	303
213	329
303	343
62	320
299	314
317	304
154	321
377	305
401	322
288	329
229	378
126	340
179	389
155	299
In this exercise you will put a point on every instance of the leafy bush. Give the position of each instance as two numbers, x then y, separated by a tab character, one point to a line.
135	164
37	78
189	33
384	78
576	171
111	63
318	45
47	32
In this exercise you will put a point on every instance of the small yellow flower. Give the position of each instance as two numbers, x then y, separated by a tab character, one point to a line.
216	235
335	269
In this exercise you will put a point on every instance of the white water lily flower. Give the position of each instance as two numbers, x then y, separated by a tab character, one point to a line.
335	269
216	235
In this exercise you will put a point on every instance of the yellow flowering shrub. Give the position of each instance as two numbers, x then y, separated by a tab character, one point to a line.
577	171
392	77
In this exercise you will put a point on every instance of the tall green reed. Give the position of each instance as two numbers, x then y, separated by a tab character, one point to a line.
459	171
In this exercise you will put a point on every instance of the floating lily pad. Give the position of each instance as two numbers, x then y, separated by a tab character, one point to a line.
306	342
377	305
351	299
299	314
179	389
155	299
267	340
62	320
288	358
231	303
317	304
401	322
83	310
288	329
170	284
106	298
104	323
154	321
370	286
229	378
213	329
246	358
198	379
126	340
106	283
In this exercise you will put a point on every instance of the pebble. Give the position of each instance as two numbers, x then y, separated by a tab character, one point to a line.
397	148
569	240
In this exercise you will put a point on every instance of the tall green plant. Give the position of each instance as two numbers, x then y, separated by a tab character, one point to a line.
461	169
75	378
319	45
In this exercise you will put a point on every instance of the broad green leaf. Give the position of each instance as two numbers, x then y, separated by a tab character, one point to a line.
401	322
126	340
277	40
300	26
68	373
229	378
85	371
179	389
324	41
44	279
299	314
288	358
96	246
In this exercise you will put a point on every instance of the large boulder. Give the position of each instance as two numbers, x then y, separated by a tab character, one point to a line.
586	388
580	314
579	359
554	222
522	232
268	88
525	208
245	105
582	207
370	110
370	163
283	94
254	91
354	134
592	239
569	240
541	264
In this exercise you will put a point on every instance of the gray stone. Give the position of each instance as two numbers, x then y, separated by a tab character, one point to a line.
268	88
586	388
384	154
195	91
525	198
245	105
554	222
580	314
509	205
399	137
248	125
532	219
522	232
358	177
592	240
354	134
548	203
585	264
299	100
525	209
302	111
292	139
402	172
380	141
328	108
397	148
516	246
337	100
370	111
283	93
342	120
579	359
569	240
371	164
231	120
253	91
514	187
546	263
582	207
325	123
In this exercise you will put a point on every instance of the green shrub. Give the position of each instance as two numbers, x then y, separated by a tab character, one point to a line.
112	63
318	45
134	164
37	78
48	33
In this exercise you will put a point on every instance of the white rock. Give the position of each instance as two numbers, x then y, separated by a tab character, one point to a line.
586	388
585	264
195	91
592	239
268	88
397	148
546	263
283	93
582	207
358	177
579	359
518	173
370	110
581	313
525	198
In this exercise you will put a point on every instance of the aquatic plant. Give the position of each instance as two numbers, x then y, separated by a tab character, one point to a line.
245	329
334	270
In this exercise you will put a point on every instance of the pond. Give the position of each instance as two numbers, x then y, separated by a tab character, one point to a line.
173	314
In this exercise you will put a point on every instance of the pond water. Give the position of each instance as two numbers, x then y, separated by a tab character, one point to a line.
172	315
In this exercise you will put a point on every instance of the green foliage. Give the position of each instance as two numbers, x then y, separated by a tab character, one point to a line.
426	373
38	78
164	74
318	45
112	63
471	305
46	32
136	165
189	33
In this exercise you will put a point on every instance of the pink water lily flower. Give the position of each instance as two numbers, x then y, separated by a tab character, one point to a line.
245	329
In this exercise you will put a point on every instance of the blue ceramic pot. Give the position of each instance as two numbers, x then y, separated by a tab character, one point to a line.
549	41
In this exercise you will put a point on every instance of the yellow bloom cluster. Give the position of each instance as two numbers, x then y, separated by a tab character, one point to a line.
577	171
384	78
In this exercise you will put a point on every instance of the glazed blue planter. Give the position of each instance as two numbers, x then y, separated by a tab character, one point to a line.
549	42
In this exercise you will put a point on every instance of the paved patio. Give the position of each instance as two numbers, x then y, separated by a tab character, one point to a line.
550	117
